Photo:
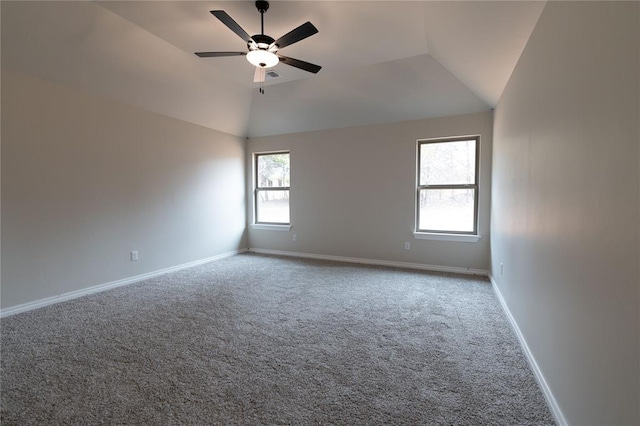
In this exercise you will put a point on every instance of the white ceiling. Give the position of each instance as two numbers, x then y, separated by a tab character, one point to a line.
383	61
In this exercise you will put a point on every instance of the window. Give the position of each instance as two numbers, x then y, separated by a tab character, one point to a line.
447	195
272	184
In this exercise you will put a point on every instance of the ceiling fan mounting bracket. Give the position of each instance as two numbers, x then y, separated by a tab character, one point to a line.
262	6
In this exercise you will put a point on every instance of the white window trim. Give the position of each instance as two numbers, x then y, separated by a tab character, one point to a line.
443	236
268	227
464	238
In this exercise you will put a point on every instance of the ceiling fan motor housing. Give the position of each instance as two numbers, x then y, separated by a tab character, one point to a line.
262	41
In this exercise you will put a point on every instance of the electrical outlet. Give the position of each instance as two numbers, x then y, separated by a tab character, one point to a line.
134	255
501	269
295	237
407	245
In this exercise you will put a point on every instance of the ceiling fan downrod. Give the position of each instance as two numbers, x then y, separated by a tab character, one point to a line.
262	7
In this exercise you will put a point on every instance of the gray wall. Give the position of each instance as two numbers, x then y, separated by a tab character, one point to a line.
86	180
353	190
565	211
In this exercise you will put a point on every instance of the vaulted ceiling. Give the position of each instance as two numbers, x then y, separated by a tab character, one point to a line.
383	61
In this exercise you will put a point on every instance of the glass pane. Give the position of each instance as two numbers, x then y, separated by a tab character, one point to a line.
273	170
273	207
448	163
446	210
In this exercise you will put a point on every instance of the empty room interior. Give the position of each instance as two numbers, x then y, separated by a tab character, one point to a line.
320	212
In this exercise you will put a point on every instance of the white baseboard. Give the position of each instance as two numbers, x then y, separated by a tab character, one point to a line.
468	271
107	286
551	400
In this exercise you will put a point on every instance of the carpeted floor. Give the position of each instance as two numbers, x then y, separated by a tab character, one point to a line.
267	340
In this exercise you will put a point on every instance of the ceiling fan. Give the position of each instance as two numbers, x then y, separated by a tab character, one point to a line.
262	49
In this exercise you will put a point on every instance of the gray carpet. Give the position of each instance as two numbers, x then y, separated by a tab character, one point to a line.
267	340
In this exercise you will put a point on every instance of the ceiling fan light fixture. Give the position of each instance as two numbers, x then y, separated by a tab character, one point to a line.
262	58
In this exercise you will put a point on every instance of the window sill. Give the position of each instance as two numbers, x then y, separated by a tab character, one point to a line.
464	238
266	227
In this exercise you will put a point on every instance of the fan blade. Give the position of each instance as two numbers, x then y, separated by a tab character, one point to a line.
233	25
259	75
218	54
303	31
300	64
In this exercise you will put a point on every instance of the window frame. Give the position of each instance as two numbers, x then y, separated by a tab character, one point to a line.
475	186
257	189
